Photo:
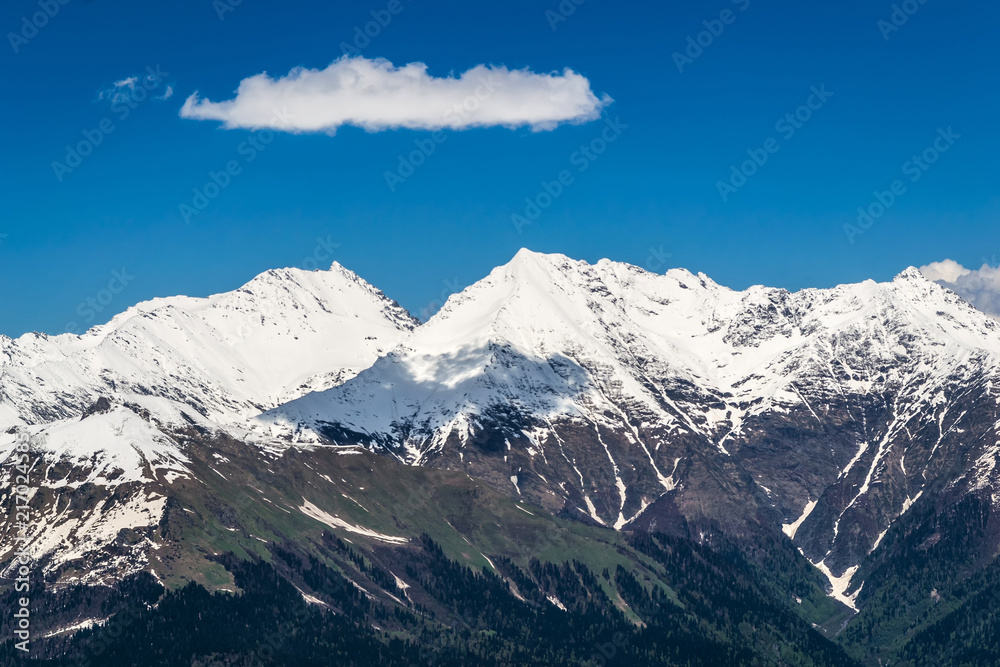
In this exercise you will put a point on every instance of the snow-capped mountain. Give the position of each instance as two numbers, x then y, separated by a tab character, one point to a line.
110	411
601	392
284	333
632	398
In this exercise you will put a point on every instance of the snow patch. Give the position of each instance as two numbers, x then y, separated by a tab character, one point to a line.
333	521
791	528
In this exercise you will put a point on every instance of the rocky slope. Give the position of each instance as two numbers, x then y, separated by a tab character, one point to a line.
109	414
857	421
643	400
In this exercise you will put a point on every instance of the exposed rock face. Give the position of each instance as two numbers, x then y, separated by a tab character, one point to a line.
102	406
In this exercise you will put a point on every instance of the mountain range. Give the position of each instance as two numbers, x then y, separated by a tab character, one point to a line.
835	449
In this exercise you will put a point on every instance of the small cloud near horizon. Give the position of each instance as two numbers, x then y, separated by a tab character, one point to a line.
374	94
980	287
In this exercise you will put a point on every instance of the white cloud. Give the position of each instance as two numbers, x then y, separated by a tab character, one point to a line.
130	82
376	95
981	288
133	89
119	91
946	271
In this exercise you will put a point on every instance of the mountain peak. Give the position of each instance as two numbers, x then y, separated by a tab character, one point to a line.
527	257
910	273
232	353
526	253
297	275
529	266
684	277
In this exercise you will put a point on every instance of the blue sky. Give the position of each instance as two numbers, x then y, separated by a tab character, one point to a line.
887	94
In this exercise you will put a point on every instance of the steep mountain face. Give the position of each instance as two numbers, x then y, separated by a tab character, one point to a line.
349	558
658	401
112	412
